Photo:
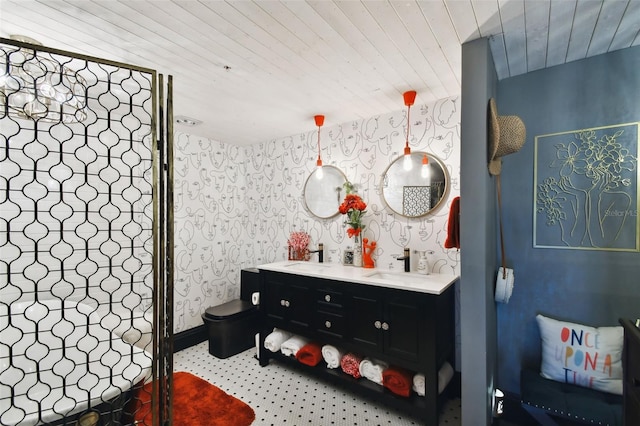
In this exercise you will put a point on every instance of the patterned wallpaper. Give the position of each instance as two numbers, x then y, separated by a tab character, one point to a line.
236	206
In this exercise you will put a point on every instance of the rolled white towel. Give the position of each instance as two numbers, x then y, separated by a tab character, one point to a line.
372	369
274	340
291	346
332	356
445	374
419	384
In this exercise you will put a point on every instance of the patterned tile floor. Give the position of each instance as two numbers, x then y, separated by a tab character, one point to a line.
281	396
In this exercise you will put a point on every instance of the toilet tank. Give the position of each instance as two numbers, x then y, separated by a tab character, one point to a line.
249	283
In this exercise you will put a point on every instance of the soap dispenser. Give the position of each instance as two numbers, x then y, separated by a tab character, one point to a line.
423	263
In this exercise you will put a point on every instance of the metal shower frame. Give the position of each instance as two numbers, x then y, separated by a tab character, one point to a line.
162	224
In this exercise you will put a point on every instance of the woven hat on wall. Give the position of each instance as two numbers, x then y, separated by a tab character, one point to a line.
506	136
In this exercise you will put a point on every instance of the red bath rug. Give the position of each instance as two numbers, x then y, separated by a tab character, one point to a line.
196	402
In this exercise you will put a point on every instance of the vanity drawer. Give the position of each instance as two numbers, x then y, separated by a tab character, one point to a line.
330	323
329	297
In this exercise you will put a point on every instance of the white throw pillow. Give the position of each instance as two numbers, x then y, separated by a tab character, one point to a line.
582	355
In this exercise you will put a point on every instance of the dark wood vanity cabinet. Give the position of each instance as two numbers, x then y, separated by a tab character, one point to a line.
387	322
290	303
408	329
631	373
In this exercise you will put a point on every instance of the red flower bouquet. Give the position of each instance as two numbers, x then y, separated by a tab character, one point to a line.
354	207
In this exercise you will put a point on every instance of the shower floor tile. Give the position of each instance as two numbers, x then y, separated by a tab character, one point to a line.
282	396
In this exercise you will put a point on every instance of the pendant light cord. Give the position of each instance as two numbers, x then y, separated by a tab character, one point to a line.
319	122
502	251
319	159
408	126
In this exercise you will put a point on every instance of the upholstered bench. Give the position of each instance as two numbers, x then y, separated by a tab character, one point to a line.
580	376
543	398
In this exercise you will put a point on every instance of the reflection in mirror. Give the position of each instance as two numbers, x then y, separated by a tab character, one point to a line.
322	197
414	189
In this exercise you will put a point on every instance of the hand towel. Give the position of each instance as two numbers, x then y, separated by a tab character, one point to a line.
332	356
292	345
350	364
453	225
275	339
310	354
445	374
372	369
397	380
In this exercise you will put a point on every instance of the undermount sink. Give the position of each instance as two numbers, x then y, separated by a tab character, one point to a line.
396	276
307	267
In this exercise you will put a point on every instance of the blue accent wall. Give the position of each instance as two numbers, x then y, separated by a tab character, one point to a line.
590	286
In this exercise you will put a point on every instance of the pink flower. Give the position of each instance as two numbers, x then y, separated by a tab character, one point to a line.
299	240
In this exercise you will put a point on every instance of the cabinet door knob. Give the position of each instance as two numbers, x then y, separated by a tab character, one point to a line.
385	326
327	324
282	302
377	324
327	298
286	303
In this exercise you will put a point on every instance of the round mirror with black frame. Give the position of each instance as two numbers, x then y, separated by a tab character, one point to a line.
415	186
322	195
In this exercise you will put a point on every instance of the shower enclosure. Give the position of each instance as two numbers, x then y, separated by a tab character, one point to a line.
86	238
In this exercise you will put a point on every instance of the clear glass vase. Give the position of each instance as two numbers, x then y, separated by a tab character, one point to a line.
298	254
357	250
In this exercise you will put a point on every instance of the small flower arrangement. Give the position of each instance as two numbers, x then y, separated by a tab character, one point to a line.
298	245
354	208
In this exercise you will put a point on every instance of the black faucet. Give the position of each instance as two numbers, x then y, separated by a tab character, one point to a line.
320	252
407	260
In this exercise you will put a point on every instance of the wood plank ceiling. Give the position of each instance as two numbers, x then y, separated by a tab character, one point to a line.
253	71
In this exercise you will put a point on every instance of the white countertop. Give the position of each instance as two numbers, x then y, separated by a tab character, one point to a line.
432	283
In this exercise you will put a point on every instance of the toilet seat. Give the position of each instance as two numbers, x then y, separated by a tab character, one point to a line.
234	309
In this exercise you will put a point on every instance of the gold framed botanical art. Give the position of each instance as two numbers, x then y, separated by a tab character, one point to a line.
586	189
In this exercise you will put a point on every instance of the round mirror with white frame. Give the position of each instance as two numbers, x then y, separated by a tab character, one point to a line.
322	195
413	188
